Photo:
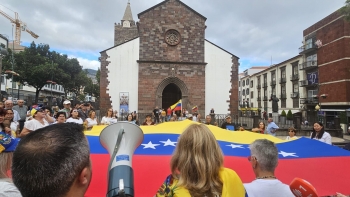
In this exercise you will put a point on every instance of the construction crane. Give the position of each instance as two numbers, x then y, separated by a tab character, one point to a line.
20	25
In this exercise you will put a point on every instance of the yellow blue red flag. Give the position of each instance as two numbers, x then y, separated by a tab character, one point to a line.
324	166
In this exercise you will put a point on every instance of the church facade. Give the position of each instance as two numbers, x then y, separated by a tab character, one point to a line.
163	58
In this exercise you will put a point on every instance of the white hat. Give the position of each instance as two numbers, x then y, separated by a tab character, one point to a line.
66	102
189	116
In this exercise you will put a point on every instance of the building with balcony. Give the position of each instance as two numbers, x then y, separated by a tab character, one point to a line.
246	86
325	69
280	80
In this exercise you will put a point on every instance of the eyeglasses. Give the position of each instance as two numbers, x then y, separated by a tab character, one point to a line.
251	157
110	110
75	111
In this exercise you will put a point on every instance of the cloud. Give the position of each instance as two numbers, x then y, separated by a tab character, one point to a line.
254	30
86	63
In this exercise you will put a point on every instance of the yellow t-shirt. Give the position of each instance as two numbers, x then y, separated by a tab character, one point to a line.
232	186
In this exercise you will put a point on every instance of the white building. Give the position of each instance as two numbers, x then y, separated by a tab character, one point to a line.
281	80
245	86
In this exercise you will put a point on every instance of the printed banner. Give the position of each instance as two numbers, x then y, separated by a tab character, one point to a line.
124	102
312	78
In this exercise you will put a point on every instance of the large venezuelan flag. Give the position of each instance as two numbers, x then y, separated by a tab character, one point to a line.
326	167
177	106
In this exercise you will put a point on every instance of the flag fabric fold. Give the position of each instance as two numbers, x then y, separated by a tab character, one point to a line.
323	165
177	106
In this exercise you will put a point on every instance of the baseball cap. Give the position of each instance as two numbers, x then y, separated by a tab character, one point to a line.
228	116
7	142
189	116
66	102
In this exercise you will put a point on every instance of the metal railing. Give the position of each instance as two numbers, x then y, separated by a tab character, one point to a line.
308	64
264	85
283	80
294	77
272	83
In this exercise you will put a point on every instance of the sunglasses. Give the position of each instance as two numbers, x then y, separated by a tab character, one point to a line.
75	110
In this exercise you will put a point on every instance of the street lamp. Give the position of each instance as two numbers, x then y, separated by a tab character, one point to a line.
3	52
13	73
18	84
51	83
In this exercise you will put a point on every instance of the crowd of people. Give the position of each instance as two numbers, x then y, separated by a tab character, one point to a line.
196	165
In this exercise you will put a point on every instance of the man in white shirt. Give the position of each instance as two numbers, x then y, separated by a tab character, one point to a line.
263	159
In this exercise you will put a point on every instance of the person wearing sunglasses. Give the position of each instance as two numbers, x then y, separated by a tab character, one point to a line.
40	120
74	117
109	118
264	159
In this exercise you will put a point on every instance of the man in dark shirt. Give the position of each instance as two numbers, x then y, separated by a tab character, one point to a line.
156	114
208	121
229	125
84	112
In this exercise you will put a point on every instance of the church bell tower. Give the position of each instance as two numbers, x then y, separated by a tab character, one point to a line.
127	29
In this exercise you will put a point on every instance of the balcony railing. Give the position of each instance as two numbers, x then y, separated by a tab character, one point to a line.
312	101
272	83
258	86
283	96
294	95
307	48
294	77
259	98
264	85
308	65
283	80
265	98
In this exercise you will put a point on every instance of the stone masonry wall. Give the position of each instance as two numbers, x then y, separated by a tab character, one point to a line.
152	74
123	34
172	14
233	107
105	101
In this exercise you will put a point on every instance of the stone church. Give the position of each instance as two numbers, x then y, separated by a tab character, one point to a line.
164	57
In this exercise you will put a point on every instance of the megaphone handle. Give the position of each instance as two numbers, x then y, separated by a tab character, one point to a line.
116	148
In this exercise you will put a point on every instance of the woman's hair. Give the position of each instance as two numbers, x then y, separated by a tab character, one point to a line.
292	129
197	160
90	113
12	112
263	124
5	163
320	134
71	111
108	111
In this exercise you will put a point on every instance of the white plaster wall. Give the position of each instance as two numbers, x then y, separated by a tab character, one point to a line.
123	73
217	79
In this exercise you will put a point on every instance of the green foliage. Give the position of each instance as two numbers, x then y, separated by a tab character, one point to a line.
283	113
289	115
92	89
342	116
345	10
37	64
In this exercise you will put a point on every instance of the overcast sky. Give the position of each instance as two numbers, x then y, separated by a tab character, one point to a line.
254	30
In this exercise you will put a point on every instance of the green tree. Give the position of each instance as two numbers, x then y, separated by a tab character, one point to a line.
345	10
283	113
37	65
91	88
289	115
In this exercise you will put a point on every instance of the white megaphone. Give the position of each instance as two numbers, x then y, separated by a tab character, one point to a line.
121	140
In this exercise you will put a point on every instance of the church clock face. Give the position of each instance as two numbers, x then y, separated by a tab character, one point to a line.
126	24
172	37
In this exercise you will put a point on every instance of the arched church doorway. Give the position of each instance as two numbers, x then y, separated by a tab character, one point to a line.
171	94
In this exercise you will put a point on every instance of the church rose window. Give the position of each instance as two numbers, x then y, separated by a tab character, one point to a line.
172	37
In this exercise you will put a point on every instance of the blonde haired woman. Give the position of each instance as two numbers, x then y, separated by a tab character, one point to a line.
197	168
